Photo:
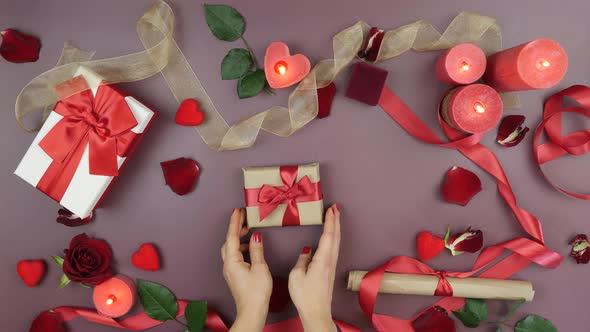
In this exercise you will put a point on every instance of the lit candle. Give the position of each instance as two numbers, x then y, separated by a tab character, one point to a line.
538	64
281	68
461	64
115	296
475	108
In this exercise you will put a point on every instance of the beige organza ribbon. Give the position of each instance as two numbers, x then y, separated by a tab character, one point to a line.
162	55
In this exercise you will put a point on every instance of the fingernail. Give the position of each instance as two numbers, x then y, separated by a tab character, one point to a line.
257	237
336	207
305	250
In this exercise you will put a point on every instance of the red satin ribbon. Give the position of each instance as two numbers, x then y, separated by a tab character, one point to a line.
576	143
524	251
103	122
141	322
268	198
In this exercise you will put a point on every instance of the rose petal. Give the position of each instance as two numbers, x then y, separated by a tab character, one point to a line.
467	241
68	218
280	298
180	174
325	98
460	186
428	245
19	47
435	319
511	132
580	249
48	321
370	49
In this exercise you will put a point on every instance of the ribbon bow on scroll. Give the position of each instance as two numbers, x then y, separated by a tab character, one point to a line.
103	123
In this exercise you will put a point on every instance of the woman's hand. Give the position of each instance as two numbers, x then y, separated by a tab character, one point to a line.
311	282
249	283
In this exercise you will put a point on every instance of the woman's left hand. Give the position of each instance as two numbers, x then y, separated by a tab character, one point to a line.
249	283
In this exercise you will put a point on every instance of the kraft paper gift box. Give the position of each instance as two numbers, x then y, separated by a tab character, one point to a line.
283	196
84	143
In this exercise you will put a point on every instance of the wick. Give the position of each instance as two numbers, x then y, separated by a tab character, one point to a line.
465	66
111	299
281	68
542	64
479	107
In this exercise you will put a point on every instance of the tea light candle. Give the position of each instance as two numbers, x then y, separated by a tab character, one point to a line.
283	69
462	64
475	108
114	297
538	64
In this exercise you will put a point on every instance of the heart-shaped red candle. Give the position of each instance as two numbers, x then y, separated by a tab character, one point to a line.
189	113
283	69
31	271
146	258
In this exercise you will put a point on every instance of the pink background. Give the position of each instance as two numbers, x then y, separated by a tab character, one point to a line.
386	182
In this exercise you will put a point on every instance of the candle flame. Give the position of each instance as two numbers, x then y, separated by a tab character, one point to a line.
281	68
542	64
465	66
111	299
479	108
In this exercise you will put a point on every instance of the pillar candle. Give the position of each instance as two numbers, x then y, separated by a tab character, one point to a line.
461	64
115	296
474	108
538	64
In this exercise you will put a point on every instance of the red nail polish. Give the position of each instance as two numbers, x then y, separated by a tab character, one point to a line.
336	207
306	250
257	237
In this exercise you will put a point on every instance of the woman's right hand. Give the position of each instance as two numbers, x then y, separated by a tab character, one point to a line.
311	282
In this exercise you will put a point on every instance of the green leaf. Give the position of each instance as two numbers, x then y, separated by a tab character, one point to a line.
534	323
158	301
196	315
499	329
58	260
513	309
63	281
84	285
467	318
235	64
477	307
251	84
225	22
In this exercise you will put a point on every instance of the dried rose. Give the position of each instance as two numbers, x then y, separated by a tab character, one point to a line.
70	219
580	249
460	186
467	241
19	47
435	319
48	321
511	132
370	49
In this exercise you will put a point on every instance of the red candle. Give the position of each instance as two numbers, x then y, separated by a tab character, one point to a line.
538	64
461	64
114	297
475	108
283	69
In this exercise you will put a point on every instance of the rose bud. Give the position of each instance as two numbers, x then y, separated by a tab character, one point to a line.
70	219
19	47
88	260
468	241
370	49
435	319
511	132
580	249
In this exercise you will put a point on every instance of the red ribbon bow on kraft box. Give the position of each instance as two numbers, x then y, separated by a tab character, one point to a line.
283	196
84	142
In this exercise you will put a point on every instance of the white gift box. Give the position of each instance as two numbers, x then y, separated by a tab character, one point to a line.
85	190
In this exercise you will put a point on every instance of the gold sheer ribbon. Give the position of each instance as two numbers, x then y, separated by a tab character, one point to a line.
162	55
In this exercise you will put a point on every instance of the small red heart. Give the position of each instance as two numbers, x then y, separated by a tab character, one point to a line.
283	69
146	258
31	271
428	245
189	113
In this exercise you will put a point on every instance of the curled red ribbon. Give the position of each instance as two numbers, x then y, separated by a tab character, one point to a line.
576	143
524	251
142	321
103	122
268	198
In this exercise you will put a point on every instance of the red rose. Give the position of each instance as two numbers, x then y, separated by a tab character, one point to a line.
48	321
88	260
470	240
580	249
435	319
